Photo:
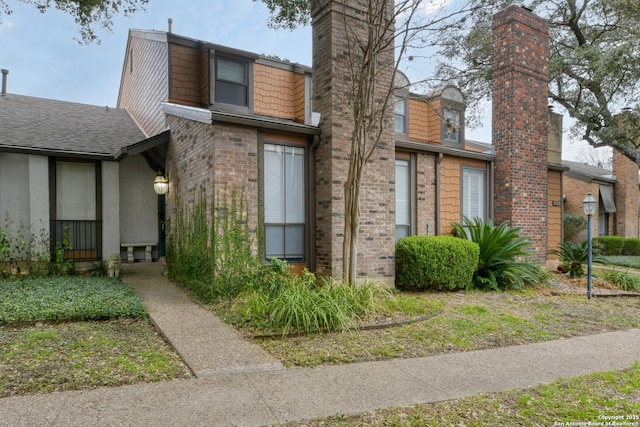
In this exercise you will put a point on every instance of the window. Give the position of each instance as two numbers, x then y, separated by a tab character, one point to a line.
284	202
451	125
400	107
473	194
232	81
403	199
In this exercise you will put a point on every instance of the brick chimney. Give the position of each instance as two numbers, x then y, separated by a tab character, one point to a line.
520	122
626	195
331	89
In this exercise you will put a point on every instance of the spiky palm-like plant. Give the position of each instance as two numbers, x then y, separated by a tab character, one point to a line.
574	255
500	248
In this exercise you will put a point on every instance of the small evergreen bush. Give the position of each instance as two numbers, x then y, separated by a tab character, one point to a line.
573	224
631	247
609	245
435	262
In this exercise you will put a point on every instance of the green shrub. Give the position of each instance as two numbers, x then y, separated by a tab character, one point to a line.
631	247
622	279
609	245
435	262
298	304
573	224
67	298
573	256
622	261
500	248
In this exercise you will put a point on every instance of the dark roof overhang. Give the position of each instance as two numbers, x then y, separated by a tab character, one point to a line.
154	150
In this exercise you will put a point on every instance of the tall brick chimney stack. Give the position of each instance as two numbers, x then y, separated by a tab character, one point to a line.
626	195
520	122
331	89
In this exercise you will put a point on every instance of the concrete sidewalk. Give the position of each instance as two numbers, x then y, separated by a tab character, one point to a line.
257	392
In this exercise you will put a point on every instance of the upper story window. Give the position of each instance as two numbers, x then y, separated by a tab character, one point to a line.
232	81
451	125
400	108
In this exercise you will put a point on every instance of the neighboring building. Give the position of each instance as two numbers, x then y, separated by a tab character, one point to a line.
237	118
66	166
616	192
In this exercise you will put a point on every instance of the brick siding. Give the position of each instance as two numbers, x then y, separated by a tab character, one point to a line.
520	122
626	195
331	91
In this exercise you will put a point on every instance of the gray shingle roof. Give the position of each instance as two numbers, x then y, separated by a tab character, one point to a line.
589	171
50	126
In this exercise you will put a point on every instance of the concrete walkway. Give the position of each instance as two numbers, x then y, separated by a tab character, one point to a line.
206	344
254	390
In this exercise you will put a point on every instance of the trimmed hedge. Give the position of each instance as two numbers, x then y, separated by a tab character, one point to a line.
435	262
610	245
631	246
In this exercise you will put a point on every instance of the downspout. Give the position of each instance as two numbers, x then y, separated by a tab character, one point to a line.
436	232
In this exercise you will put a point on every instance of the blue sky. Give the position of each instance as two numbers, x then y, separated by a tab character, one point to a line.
44	59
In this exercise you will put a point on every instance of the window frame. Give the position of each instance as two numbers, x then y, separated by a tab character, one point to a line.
446	126
305	202
401	98
214	57
485	196
410	160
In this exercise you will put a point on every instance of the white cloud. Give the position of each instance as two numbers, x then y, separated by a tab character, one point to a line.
5	25
433	6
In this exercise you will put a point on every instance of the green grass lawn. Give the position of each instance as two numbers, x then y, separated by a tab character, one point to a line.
466	321
70	333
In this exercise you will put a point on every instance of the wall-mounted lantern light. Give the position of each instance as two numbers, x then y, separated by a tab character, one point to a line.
589	205
160	184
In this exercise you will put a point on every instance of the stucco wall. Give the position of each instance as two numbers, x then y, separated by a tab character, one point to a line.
138	204
110	208
14	190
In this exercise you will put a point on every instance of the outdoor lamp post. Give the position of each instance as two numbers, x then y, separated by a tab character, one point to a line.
160	184
589	205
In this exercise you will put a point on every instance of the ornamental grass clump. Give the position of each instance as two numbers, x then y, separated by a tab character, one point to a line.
281	302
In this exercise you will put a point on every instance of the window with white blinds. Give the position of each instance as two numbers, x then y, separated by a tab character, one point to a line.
474	193
284	202
403	192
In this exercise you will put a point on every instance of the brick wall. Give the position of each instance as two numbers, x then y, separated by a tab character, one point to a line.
144	82
626	195
426	204
520	122
555	235
331	91
211	157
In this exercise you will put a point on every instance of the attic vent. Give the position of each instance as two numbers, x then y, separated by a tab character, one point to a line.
4	81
